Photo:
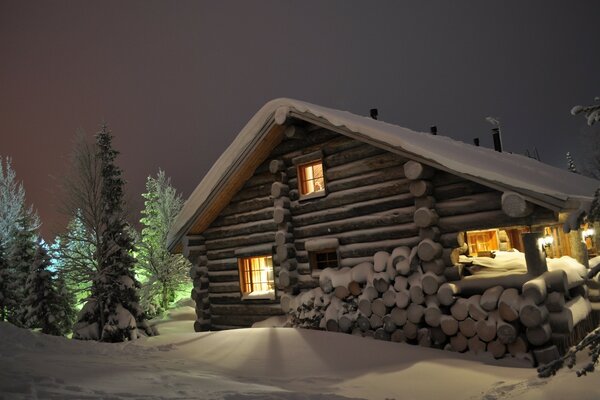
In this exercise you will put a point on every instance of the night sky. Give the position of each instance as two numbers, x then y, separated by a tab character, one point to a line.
176	81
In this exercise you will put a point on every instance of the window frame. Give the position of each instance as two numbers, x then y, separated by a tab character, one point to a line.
313	258
301	163
244	272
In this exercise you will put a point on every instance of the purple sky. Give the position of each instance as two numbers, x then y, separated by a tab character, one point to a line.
176	81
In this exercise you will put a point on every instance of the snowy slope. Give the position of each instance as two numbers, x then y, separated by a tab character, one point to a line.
262	363
512	171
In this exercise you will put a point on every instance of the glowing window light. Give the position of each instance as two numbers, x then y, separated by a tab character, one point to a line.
256	276
310	178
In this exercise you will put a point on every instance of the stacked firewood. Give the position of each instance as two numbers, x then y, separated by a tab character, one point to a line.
394	299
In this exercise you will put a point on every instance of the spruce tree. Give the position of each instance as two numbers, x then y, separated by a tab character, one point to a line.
20	260
112	314
6	302
46	307
164	272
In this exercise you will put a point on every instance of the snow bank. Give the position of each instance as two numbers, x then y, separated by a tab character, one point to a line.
263	363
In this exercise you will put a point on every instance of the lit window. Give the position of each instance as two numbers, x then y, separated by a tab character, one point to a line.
310	178
324	259
482	242
256	277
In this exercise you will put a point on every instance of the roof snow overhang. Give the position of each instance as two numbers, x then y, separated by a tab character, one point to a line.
547	186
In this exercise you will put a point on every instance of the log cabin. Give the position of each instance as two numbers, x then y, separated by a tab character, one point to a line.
351	224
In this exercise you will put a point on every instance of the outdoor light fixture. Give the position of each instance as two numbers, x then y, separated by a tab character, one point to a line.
587	233
546	241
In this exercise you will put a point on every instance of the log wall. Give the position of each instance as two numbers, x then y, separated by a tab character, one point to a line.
374	202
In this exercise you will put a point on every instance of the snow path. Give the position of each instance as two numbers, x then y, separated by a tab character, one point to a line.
261	363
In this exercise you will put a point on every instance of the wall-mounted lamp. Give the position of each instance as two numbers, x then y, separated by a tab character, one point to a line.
587	233
545	241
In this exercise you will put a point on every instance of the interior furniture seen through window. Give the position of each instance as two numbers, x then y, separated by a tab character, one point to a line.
256	277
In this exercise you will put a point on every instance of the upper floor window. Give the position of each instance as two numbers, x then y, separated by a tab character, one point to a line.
256	277
310	178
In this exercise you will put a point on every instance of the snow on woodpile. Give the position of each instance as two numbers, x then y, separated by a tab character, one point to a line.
500	310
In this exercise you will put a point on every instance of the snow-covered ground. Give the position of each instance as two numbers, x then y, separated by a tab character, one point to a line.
262	363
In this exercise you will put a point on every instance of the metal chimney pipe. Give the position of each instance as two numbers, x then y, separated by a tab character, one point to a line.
476	141
374	113
497	140
433	129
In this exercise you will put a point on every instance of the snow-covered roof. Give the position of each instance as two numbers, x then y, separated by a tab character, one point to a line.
539	182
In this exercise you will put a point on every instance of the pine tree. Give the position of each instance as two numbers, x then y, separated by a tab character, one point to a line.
20	260
113	313
6	302
13	211
165	273
46	306
571	164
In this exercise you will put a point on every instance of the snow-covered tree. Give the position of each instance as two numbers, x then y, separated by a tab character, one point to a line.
20	259
6	301
13	211
164	273
75	251
112	313
571	164
591	112
46	303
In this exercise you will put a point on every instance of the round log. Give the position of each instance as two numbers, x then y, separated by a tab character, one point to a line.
531	314
378	307
459	343
425	217
415	170
354	288
515	206
467	327
416	294
446	293
400	283
432	315
389	297
376	321
449	325
399	316
279	189
496	348
420	188
508	305
341	292
380	260
415	312
539	335
402	298
424	201
476	345
363	323
487	328
475	310
382	334
424	337
507	332
276	166
431	282
460	309
410	330
346	323
428	250
489	298
332	325
388	324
